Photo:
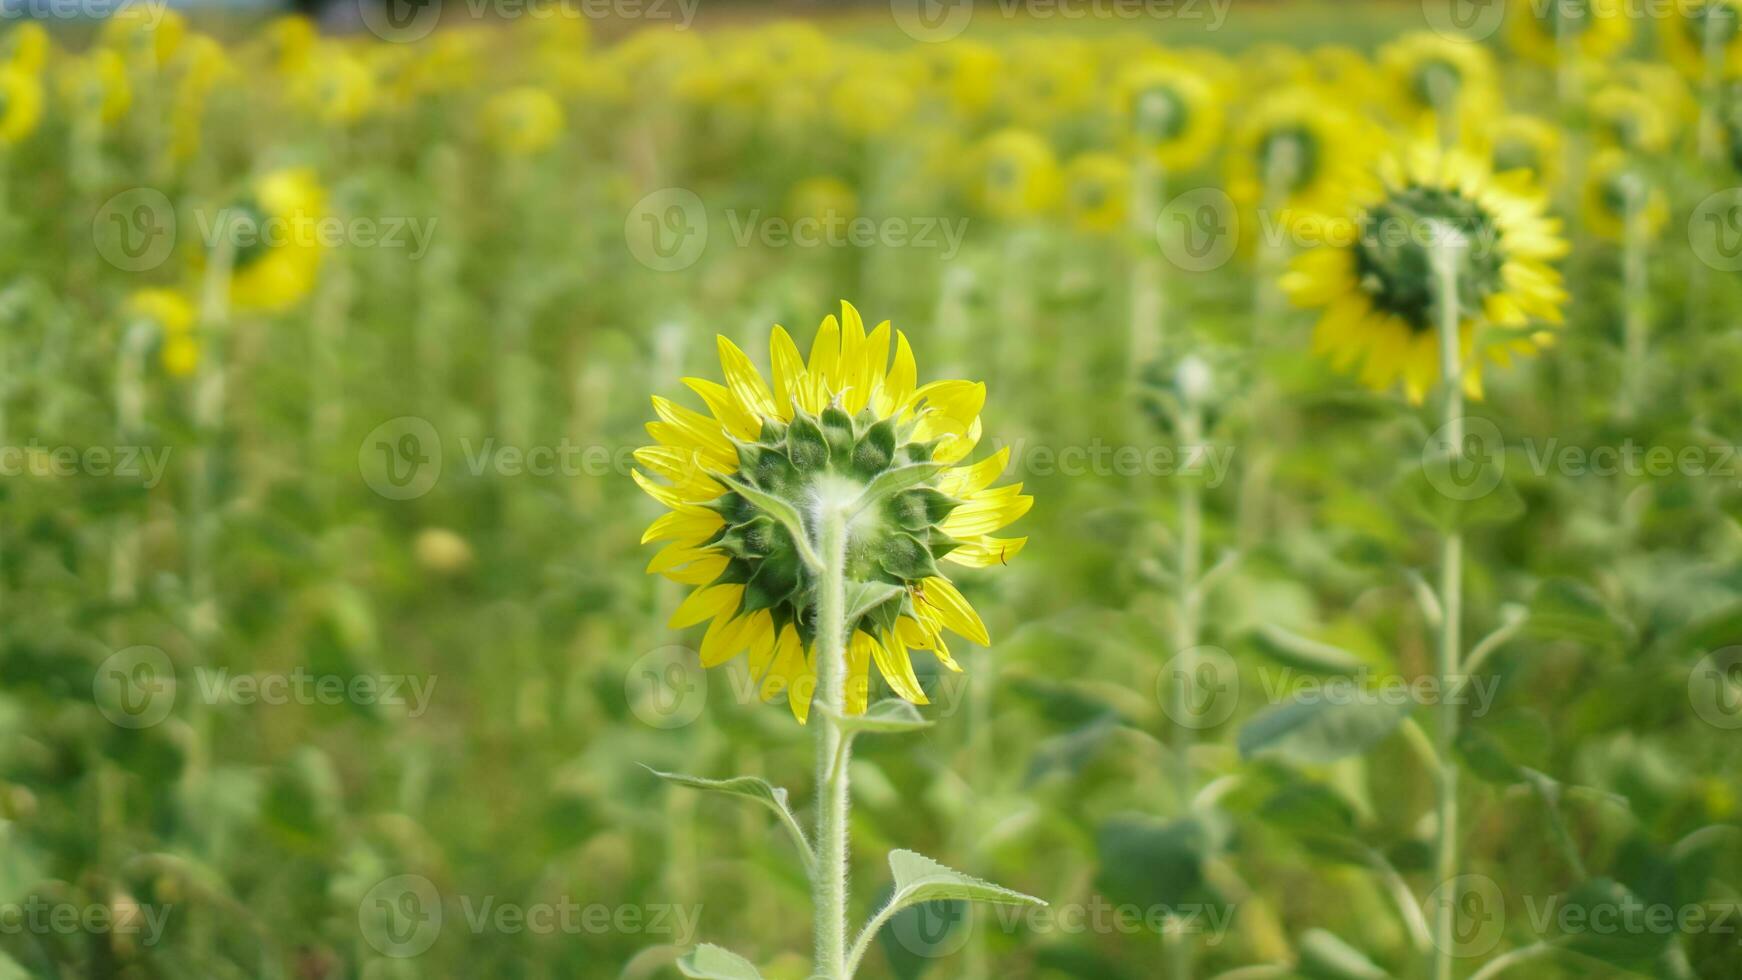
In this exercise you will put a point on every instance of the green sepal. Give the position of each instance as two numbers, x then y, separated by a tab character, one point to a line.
837	427
806	447
921	508
906	557
875	451
775	581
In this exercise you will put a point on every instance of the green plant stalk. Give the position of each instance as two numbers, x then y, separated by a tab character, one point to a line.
129	428
1148	297
1186	630
208	417
1446	254
1635	289
829	877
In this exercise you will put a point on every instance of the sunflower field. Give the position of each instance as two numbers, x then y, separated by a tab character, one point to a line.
1048	489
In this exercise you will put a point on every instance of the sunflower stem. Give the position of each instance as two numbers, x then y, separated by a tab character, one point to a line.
1148	295
1448	249
1186	629
829	877
1635	286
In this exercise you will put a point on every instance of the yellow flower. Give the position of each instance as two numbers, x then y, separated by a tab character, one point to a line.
1632	120
1047	81
871	98
1435	81
1596	29
204	64
1017	176
1527	143
523	121
1375	281
290	42
1300	139
145	34
20	103
824	199
170	310
1169	111
97	84
827	427
336	86
279	245
1616	185
1701	26
1097	192
26	47
967	75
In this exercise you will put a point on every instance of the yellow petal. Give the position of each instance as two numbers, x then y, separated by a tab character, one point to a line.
954	611
897	668
706	603
745	381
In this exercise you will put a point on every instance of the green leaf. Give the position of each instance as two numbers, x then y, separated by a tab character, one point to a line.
886	717
775	507
1456	493
920	879
1310	810
1604	919
710	962
862	597
1323	956
1148	864
752	788
1564	608
893	481
1294	650
1319	731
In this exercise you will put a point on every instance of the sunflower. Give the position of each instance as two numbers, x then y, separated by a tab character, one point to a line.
1097	192
1701	26
1527	143
178	349
96	84
20	103
26	46
1436	82
1375	278
337	87
1048	80
827	427
1617	187
1629	119
279	247
523	121
1017	176
1169	111
1596	29
146	34
1299	138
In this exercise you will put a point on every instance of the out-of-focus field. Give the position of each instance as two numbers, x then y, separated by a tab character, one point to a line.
327	648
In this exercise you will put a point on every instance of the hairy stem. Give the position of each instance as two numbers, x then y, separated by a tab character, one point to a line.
1446	255
829	877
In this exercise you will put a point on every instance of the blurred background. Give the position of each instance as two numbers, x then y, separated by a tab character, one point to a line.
326	641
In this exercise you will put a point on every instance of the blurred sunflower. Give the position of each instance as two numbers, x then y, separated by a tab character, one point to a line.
96	85
25	47
524	120
1596	29
337	87
20	103
1700	27
1629	119
825	430
1376	282
1017	175
1617	186
279	247
1527	143
824	199
967	73
1436	82
1097	192
1170	112
288	43
1300	139
173	314
146	35
203	65
1047	81
871	97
